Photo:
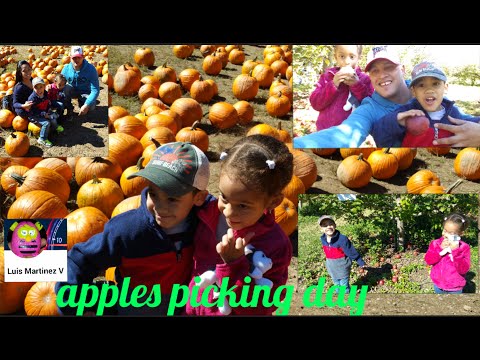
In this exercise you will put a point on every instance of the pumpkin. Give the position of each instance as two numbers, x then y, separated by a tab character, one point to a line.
248	65
189	110
161	134
346	152
124	148
207	49
279	67
165	73
42	179
169	92
41	299
83	223
245	112
223	55
294	188
194	135
130	125
102	193
88	167
126	81
404	156
160	119
187	77
144	57
286	216
263	129
467	163
439	189
17	144
202	90
439	150
12	294
183	51
6	118
134	186
37	204
264	74
58	165
283	135
9	184
147	91
245	87
19	123
383	163
236	56
212	64
29	162
278	105
305	168
152	80
420	180
223	115
152	101
110	274
129	203
324	151
354	172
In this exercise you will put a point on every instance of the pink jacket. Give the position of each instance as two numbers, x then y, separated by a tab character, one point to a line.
329	100
447	274
269	238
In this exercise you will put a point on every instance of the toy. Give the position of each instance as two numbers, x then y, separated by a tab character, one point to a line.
26	238
259	265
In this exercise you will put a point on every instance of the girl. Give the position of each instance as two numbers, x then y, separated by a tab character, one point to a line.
252	176
340	88
449	257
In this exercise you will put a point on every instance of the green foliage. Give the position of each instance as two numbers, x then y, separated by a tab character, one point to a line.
468	75
309	61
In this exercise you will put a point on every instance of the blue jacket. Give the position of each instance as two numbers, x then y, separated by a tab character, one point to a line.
84	81
387	132
21	92
134	243
40	105
353	131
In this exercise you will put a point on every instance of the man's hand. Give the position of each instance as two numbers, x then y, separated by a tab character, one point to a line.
84	109
465	133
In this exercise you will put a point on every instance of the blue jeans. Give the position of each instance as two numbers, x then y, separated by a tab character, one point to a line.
45	126
440	291
71	93
342	282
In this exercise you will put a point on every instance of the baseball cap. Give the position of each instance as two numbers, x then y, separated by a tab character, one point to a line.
38	80
427	68
381	52
177	168
76	51
324	217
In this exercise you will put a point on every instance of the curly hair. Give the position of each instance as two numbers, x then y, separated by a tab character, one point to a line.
262	163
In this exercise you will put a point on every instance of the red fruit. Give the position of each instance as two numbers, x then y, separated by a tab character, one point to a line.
417	125
415	253
381	282
382	259
394	266
397	256
394	279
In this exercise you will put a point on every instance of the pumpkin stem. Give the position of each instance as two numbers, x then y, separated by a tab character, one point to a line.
279	126
96	180
360	156
195	125
453	186
155	141
18	178
139	163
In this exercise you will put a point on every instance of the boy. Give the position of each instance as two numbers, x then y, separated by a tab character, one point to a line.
339	252
428	87
154	243
40	112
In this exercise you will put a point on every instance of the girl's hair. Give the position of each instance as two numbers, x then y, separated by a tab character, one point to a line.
262	163
359	49
18	74
457	219
60	77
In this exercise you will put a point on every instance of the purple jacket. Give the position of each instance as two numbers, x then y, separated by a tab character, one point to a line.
269	237
447	274
329	100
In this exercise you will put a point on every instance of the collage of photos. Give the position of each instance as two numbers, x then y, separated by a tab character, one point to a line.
239	180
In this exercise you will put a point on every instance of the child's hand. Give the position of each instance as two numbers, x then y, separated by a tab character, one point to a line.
402	116
339	78
445	243
454	245
230	249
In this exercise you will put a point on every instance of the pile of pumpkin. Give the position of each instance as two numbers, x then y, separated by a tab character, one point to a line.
50	61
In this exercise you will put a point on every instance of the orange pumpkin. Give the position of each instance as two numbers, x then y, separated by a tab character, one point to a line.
383	163
305	168
420	180
294	188
17	144
165	73
467	163
354	172
324	151
9	184
223	115
126	81
440	150
102	193
245	112
134	186
124	148
83	223
188	109
286	216
404	156
194	135
132	202
169	91
41	299
37	204
58	165
245	87
263	129
144	57
88	167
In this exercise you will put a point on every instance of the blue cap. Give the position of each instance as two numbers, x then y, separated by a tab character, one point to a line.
427	68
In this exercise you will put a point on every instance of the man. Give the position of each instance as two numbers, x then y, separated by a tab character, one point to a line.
391	90
82	82
465	134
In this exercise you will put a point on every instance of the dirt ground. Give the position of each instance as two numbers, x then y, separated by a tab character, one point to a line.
86	135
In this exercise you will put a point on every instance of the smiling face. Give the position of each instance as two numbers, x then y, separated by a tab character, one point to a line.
39	89
240	206
429	92
387	78
170	211
328	227
450	229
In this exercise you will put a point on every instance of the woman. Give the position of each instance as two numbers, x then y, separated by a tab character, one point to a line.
22	89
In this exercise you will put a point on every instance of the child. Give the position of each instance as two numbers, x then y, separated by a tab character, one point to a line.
449	257
252	176
40	112
154	243
339	252
340	88
428	87
57	96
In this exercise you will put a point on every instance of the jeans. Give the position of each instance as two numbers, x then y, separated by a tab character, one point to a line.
440	291
45	126
71	93
342	282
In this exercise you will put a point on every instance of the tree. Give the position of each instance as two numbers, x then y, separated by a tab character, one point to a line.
466	75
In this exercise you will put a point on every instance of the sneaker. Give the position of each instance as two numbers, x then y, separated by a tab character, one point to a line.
45	142
60	129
